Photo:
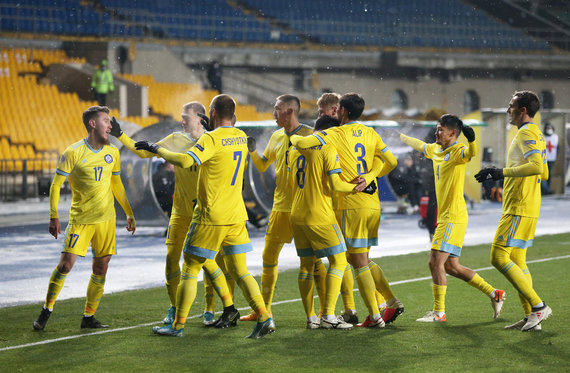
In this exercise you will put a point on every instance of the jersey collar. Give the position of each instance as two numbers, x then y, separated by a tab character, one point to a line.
441	150
294	131
190	137
90	148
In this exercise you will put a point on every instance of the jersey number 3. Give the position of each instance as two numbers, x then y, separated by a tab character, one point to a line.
361	168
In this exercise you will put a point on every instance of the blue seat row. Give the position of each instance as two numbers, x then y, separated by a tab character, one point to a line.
434	23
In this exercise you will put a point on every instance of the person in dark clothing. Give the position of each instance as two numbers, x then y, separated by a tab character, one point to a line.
215	76
163	184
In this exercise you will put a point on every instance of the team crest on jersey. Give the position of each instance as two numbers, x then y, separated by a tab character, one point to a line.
62	159
108	158
446	158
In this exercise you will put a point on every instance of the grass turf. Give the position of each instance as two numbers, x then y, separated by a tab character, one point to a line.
471	340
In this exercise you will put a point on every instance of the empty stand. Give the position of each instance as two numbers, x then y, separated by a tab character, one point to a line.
435	23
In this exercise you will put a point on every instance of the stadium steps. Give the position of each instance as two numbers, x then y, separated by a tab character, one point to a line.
167	99
38	121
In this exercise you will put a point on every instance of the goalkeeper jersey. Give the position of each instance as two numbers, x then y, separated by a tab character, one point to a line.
309	171
521	195
89	172
220	155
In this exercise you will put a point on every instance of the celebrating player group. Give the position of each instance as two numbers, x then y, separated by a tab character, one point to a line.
325	200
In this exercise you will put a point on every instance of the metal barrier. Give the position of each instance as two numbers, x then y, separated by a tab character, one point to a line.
26	178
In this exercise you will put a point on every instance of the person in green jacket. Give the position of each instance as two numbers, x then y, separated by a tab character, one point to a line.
102	83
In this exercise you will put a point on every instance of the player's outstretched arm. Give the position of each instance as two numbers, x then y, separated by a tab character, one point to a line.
261	163
130	144
305	142
54	191
119	192
413	142
183	160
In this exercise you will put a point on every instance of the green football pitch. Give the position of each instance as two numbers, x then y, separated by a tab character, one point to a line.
470	341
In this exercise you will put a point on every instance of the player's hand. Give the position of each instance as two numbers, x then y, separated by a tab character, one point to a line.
147	145
371	188
54	227
389	133
360	184
489	173
115	128
205	121
469	133
131	224
251	145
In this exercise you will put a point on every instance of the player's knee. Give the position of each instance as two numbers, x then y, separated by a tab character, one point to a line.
269	258
499	257
449	268
432	264
64	267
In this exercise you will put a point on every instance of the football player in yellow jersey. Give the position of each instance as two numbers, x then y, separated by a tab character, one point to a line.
449	158
328	104
93	168
221	156
279	231
184	201
362	154
313	174
525	169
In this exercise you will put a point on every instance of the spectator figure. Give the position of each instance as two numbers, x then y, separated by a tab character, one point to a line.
406	182
102	83
163	183
428	183
215	76
551	154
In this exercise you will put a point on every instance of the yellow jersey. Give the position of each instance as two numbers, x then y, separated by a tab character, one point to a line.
186	179
309	171
521	195
89	173
357	145
449	176
221	156
277	150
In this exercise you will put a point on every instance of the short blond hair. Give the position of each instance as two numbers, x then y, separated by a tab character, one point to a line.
328	99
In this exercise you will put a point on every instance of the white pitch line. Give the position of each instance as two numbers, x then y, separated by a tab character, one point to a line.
241	309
